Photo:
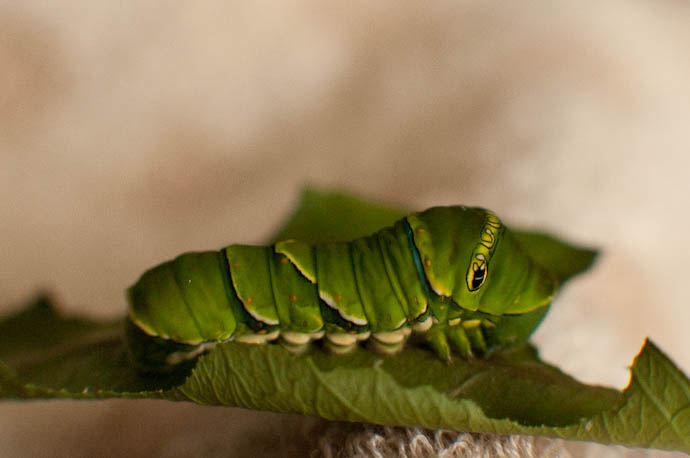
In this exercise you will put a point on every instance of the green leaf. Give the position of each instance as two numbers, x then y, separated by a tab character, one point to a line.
655	412
327	216
559	257
43	354
46	355
513	392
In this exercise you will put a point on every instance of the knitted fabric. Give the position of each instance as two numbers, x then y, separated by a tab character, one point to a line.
368	441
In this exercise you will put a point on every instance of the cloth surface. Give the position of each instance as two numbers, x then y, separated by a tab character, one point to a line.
342	441
130	133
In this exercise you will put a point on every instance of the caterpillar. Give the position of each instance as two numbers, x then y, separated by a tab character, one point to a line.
454	276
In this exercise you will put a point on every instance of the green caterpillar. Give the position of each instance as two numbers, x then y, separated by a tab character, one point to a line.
456	276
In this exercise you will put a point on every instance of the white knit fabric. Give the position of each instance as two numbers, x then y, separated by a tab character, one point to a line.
365	441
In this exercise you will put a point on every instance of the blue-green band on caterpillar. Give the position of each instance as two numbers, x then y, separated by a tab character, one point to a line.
455	275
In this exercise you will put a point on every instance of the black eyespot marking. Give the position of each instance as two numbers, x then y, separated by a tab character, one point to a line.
478	277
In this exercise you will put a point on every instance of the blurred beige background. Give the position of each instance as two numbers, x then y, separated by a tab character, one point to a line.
132	132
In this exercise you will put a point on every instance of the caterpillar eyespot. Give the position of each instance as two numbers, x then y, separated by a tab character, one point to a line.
424	275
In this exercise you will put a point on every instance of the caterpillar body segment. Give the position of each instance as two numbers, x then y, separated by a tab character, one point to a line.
455	275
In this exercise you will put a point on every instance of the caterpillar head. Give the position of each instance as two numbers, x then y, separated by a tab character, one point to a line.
470	256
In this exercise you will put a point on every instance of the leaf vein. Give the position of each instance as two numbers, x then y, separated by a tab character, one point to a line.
659	405
325	386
